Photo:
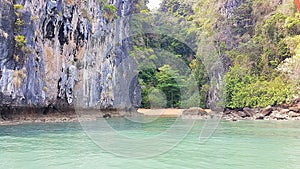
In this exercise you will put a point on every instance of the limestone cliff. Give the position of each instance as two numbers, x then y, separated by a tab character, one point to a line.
69	51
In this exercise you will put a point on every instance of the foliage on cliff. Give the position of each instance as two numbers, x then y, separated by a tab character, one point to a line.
259	37
257	41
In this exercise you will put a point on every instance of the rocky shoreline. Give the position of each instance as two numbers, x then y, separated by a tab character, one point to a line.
290	111
13	115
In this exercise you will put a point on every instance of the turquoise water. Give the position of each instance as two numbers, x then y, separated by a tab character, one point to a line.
243	144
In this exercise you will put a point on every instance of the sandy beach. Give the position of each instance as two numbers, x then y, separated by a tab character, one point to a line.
161	112
164	112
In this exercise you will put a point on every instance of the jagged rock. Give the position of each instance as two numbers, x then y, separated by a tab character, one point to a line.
241	114
284	111
227	111
7	19
259	116
276	115
293	114
194	111
249	112
294	109
266	111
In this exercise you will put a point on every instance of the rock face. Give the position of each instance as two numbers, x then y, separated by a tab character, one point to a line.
73	51
225	10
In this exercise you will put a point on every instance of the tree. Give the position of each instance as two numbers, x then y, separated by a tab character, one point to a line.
168	82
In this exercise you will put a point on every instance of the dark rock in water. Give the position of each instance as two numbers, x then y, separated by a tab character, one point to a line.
106	116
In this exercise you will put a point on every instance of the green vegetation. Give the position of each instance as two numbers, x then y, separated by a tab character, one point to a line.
20	41
33	18
109	12
261	35
160	88
262	50
177	8
110	8
170	73
18	6
18	24
139	6
244	90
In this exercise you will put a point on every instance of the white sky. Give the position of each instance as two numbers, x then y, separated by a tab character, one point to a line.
153	4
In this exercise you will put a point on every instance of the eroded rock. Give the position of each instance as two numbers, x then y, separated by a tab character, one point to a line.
70	55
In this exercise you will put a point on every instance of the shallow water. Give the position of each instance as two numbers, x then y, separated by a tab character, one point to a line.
243	144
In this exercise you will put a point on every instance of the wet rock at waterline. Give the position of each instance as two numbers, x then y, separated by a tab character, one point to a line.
195	113
281	112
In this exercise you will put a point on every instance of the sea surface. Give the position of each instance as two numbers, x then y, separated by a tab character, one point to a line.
242	144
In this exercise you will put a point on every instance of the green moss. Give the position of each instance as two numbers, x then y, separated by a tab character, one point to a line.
20	41
33	18
145	11
18	6
18	24
110	8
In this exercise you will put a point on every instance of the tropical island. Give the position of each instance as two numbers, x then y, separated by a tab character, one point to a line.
60	56
119	84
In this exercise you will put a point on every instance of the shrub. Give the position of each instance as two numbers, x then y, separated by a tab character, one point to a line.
18	6
18	24
243	90
20	41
